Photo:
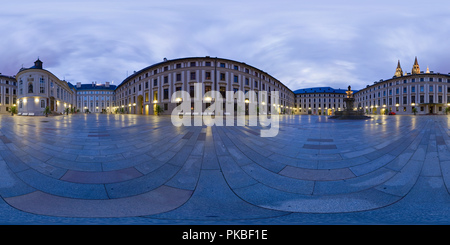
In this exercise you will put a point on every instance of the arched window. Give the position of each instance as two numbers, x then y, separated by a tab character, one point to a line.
30	87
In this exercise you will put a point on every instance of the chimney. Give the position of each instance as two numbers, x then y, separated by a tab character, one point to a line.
107	84
78	85
93	84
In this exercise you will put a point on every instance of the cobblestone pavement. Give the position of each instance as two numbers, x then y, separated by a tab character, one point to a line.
131	169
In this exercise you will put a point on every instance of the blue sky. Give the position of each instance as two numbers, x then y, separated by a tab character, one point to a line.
301	43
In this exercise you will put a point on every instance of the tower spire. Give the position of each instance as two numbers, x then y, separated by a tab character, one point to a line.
415	69
398	71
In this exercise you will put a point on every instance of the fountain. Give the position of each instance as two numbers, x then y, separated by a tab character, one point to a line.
349	112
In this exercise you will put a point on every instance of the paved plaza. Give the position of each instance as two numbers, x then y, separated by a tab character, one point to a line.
134	169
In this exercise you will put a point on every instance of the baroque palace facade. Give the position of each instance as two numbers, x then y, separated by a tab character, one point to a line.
33	89
407	93
153	86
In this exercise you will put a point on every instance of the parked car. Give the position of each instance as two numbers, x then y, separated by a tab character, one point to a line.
391	113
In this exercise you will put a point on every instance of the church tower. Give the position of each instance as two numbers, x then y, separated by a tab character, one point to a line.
398	71
415	69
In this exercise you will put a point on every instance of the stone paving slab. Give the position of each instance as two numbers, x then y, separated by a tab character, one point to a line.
132	168
160	200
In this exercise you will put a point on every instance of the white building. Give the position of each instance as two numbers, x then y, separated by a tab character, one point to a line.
96	98
8	93
319	101
39	88
154	85
425	92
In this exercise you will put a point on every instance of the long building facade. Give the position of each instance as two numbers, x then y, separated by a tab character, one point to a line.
96	98
153	86
33	89
415	92
319	101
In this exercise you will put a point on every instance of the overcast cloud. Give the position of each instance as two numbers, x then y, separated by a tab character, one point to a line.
301	43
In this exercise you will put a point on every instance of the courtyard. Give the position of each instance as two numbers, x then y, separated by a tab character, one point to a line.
134	169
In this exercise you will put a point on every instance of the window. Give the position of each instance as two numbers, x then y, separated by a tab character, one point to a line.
192	64
236	79
166	94
431	88
166	79
207	89
193	75
222	65
155	82
222	92
42	103
178	77
208	75
413	89
41	85
222	76
421	89
207	63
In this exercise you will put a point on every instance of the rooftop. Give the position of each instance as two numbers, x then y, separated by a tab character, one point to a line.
95	87
321	90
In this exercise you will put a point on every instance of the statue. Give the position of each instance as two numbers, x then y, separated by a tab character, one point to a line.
349	92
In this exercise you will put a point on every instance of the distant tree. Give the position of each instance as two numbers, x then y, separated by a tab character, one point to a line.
158	110
13	110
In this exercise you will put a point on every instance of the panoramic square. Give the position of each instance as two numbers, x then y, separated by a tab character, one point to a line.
201	113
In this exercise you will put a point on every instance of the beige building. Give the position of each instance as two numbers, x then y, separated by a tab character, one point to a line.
8	93
141	92
424	92
39	88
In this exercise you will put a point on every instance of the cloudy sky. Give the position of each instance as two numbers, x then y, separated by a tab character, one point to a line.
301	43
